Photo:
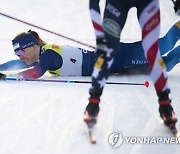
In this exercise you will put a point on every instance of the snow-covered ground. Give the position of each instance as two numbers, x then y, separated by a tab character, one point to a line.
46	118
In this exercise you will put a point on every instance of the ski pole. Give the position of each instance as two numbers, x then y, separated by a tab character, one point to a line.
146	83
27	23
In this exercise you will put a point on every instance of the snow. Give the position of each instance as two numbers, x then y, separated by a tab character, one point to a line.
46	118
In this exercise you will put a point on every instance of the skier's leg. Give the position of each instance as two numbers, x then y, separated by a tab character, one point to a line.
149	19
112	26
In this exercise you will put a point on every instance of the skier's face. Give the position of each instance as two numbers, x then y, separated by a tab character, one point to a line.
29	55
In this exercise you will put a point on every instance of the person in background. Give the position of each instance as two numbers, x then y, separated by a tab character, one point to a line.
129	58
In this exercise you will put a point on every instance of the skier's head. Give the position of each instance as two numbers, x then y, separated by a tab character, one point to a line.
23	41
26	39
26	46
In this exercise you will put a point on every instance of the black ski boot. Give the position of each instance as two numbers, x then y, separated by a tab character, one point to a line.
166	111
91	112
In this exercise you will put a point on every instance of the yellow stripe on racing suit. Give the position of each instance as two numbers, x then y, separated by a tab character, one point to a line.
55	48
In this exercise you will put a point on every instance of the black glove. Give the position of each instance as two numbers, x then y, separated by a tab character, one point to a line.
176	6
2	76
102	48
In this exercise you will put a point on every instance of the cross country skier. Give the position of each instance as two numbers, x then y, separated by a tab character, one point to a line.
79	62
107	37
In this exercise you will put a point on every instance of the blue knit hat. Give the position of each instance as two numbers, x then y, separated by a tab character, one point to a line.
23	41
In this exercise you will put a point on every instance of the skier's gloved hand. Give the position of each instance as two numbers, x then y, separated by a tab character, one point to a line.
2	76
177	6
102	48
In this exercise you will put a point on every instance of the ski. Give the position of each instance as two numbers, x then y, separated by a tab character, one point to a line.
170	123
174	131
172	128
91	133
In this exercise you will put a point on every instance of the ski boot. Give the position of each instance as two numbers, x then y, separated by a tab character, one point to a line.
91	112
166	111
